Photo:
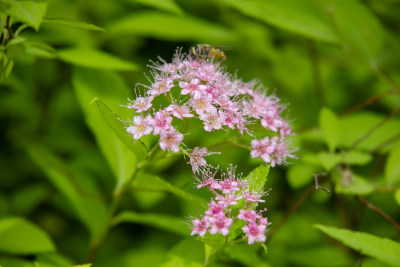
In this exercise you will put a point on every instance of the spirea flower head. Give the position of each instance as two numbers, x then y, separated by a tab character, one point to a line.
201	89
227	207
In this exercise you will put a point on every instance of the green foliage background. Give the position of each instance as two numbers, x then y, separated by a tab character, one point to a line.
65	159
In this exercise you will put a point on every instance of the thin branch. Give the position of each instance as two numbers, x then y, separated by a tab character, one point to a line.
294	208
385	143
317	186
373	129
367	102
9	31
379	211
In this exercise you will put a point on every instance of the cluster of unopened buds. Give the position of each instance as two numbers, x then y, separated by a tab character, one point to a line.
233	200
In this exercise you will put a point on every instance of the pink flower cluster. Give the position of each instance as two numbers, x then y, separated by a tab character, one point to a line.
228	192
201	89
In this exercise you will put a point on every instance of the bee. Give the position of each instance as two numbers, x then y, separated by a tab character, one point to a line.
207	51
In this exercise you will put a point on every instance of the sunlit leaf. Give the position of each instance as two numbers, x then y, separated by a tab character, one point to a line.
302	17
300	174
144	181
356	158
357	185
169	27
111	89
166	5
187	252
397	196
96	59
330	127
384	249
258	177
30	12
392	168
162	221
119	129
19	236
76	24
328	161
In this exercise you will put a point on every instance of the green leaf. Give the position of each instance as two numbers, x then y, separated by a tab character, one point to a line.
356	158
89	84
166	5
328	161
357	26
75	186
75	24
169	27
357	185
19	236
397	196
330	127
302	17
392	168
29	11
258	177
119	129
383	249
83	265
165	222
39	49
6	66
300	174
97	59
150	182
187	253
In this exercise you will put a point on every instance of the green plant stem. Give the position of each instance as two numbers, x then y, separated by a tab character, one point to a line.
214	255
96	244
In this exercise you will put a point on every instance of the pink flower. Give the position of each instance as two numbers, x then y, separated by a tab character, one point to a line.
207	178
255	232
163	85
180	112
200	226
253	196
228	199
271	120
170	139
141	127
193	87
220	224
263	148
215	208
247	215
228	183
161	122
197	158
141	104
212	120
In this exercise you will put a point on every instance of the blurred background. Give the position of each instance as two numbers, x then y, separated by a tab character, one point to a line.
59	172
